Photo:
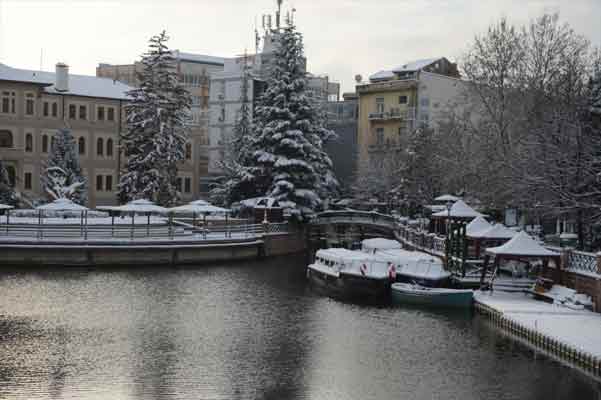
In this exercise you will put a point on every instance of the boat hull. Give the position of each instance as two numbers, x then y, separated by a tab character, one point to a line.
459	299
435	283
349	286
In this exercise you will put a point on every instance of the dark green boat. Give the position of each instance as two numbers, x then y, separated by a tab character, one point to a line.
406	293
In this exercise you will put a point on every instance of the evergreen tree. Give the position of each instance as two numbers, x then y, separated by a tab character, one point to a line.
7	192
62	177
288	161
157	131
595	86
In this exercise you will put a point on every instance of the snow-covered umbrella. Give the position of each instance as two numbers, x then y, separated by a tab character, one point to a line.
64	204
199	207
139	206
447	197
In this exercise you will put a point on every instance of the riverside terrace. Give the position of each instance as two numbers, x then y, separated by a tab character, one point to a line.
73	239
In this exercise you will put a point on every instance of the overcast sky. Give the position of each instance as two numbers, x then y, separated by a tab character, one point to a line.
342	37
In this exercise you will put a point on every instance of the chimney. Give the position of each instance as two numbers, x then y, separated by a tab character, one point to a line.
62	77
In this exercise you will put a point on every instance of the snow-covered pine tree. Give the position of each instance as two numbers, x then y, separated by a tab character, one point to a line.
62	176
7	192
288	160
234	185
157	128
595	86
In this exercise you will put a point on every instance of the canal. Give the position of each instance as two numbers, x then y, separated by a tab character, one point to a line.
248	331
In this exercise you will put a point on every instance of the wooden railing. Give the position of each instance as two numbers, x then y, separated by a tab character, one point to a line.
420	239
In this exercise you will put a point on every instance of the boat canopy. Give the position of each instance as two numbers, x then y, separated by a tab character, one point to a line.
376	244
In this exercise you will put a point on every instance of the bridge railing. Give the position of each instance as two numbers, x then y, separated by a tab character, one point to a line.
419	239
362	217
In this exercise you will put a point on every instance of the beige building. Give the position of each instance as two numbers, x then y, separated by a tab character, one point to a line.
195	71
35	104
396	101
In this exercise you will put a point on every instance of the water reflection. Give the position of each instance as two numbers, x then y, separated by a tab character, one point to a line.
252	331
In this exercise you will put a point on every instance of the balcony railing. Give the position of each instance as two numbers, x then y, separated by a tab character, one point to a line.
407	114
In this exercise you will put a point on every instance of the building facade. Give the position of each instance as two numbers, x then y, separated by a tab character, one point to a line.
342	119
195	72
35	104
397	101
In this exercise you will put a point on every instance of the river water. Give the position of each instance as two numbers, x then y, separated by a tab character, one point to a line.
248	331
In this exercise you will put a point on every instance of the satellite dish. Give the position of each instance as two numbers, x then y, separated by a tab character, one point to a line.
358	78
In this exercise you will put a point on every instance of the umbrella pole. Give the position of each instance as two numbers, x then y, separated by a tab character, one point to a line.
112	224
227	227
7	220
86	226
148	226
40	224
133	216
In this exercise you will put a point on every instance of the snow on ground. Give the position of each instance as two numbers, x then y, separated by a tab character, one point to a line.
578	328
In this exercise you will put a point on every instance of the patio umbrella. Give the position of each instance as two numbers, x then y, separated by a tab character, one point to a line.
140	206
199	207
64	204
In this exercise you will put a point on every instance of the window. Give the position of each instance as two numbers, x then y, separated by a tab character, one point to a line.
46	109
54	109
380	104
45	144
99	147
402	99
178	184
108	184
12	175
110	113
29	103
8	102
72	111
187	185
27	181
6	139
81	145
83	110
99	183
52	141
29	143
100	113
109	147
425	102
188	151
380	136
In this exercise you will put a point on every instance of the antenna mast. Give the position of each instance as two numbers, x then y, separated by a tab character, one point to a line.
278	13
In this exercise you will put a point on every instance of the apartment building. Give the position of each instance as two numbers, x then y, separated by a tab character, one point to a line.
195	72
342	119
396	101
35	104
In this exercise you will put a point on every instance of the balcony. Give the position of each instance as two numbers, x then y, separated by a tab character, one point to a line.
407	114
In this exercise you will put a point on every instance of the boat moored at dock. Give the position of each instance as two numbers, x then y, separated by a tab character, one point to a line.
405	293
351	274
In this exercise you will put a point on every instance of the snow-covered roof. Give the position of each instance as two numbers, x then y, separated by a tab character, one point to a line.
199	58
62	205
478	225
415	65
199	207
5	207
141	205
79	85
379	244
384	74
337	254
522	244
447	197
497	231
459	210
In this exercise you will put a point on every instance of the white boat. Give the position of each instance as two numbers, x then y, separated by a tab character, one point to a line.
371	246
350	274
416	267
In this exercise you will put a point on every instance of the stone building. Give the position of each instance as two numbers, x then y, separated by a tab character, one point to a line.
195	72
35	104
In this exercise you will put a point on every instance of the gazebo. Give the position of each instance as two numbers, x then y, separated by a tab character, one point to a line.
521	248
459	211
494	235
